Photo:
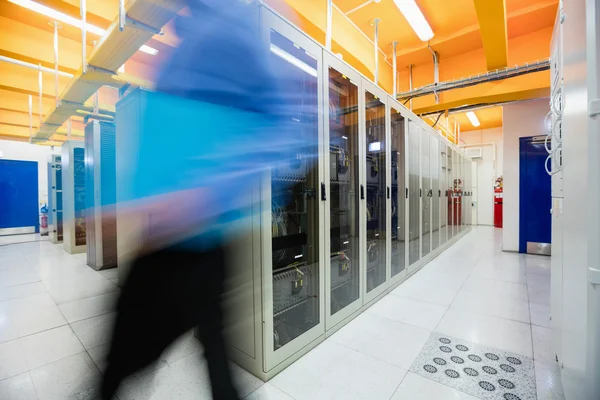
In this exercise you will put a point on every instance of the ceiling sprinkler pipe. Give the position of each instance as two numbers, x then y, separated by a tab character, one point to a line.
492	76
328	34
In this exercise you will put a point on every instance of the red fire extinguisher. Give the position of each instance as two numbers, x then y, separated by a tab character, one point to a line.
498	202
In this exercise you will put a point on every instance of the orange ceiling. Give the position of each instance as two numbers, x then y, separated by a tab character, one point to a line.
27	36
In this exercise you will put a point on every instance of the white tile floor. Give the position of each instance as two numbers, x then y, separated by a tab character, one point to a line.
55	312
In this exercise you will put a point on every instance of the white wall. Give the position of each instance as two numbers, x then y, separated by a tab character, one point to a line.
11	150
518	120
489	167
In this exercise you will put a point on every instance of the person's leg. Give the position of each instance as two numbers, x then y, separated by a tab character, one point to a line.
210	328
148	318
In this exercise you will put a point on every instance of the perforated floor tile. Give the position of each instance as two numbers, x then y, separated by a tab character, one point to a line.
480	371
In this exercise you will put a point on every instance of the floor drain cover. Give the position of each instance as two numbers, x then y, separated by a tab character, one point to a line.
439	361
452	373
475	358
514	360
510	396
490	370
507	368
430	368
485	373
487	386
505	383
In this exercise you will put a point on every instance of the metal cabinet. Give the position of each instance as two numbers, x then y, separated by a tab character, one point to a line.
343	223
375	191
293	231
398	215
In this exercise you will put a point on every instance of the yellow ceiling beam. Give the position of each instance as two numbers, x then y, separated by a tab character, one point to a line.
492	25
527	94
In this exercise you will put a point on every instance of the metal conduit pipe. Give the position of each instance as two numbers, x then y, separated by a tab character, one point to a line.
492	76
436	71
328	34
395	69
33	66
376	48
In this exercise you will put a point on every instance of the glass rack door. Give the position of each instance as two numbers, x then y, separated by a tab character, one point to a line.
426	194
414	222
399	188
344	215
375	163
295	204
435	188
444	190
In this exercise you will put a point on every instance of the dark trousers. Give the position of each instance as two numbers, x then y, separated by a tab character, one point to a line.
167	293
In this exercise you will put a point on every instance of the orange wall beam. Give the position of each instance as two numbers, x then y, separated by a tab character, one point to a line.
491	15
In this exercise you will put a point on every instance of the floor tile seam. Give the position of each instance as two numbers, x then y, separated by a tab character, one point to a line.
403	296
491	315
277	387
395	320
35	333
19	284
449	306
86	297
87	318
498	280
402	380
508	297
369	356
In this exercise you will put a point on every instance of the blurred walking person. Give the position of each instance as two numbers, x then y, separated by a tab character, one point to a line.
192	188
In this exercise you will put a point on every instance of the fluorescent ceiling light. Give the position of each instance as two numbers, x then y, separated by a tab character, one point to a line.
415	18
473	118
279	52
58	16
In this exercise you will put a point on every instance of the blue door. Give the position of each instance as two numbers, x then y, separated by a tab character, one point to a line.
535	229
18	196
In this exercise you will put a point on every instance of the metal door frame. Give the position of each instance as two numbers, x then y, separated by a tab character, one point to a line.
270	21
436	156
367	85
417	264
396	105
422	193
330	60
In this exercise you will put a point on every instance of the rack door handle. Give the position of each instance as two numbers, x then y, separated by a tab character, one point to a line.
388	192
420	192
323	192
406	193
362	192
439	192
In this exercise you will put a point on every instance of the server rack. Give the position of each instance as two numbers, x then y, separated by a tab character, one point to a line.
343	223
73	180
374	191
100	174
294	284
55	201
398	215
